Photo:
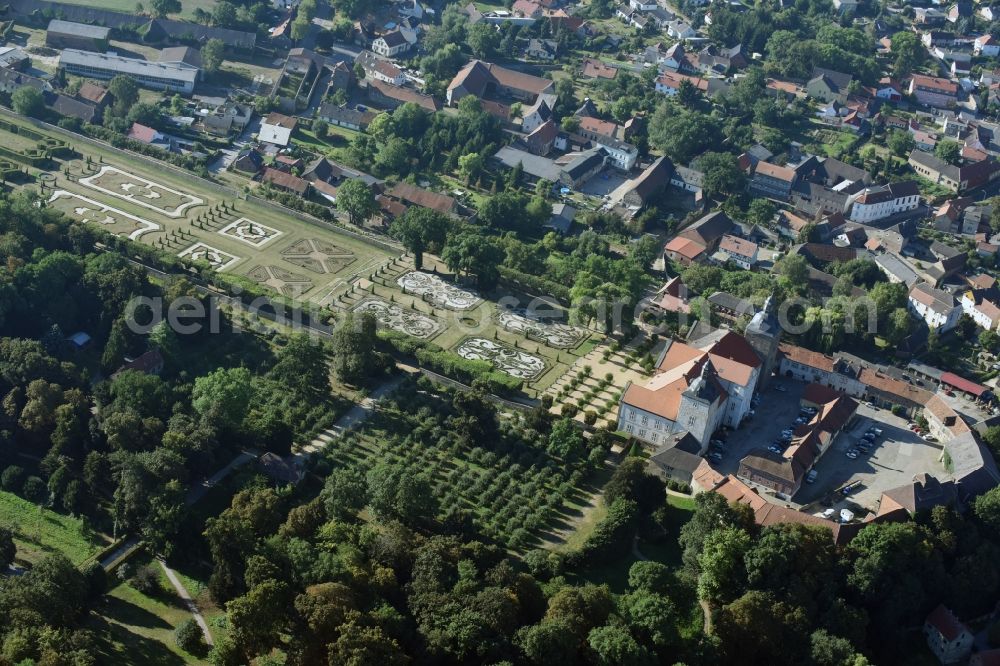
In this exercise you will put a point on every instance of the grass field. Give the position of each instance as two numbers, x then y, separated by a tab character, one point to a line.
39	532
136	629
132	6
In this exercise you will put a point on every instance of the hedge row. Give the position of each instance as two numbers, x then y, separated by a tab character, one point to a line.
541	286
441	361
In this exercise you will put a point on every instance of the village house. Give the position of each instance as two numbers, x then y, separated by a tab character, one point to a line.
390	44
772	181
389	96
958	179
934	306
828	85
344	116
949	639
876	203
285	182
651	182
740	251
987	46
672	297
982	306
934	91
277	129
382	70
677	458
487	81
696	242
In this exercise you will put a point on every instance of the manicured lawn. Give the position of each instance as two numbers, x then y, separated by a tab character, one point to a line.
134	628
683	503
39	532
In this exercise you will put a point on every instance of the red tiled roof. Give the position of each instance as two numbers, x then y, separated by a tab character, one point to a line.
92	92
402	94
936	84
442	203
739	246
685	247
598	126
285	180
596	69
281	120
807	357
963	384
775	171
142	133
945	622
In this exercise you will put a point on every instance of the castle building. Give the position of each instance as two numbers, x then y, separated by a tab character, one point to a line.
699	386
763	334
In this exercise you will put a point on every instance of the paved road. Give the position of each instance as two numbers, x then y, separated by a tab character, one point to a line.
197	492
357	415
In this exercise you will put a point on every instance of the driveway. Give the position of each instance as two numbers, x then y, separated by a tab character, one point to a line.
227	155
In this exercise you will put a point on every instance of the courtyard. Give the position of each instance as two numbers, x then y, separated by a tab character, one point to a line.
897	457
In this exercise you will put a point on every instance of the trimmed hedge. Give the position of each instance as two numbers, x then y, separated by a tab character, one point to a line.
539	285
441	361
610	536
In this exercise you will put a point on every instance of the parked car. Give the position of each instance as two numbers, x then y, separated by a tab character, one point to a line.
715	456
877	431
829	513
811	476
774	448
852	454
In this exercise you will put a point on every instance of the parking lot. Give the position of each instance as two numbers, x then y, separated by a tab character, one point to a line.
775	411
898	455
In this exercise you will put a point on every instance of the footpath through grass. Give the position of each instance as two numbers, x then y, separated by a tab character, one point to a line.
137	629
39	532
